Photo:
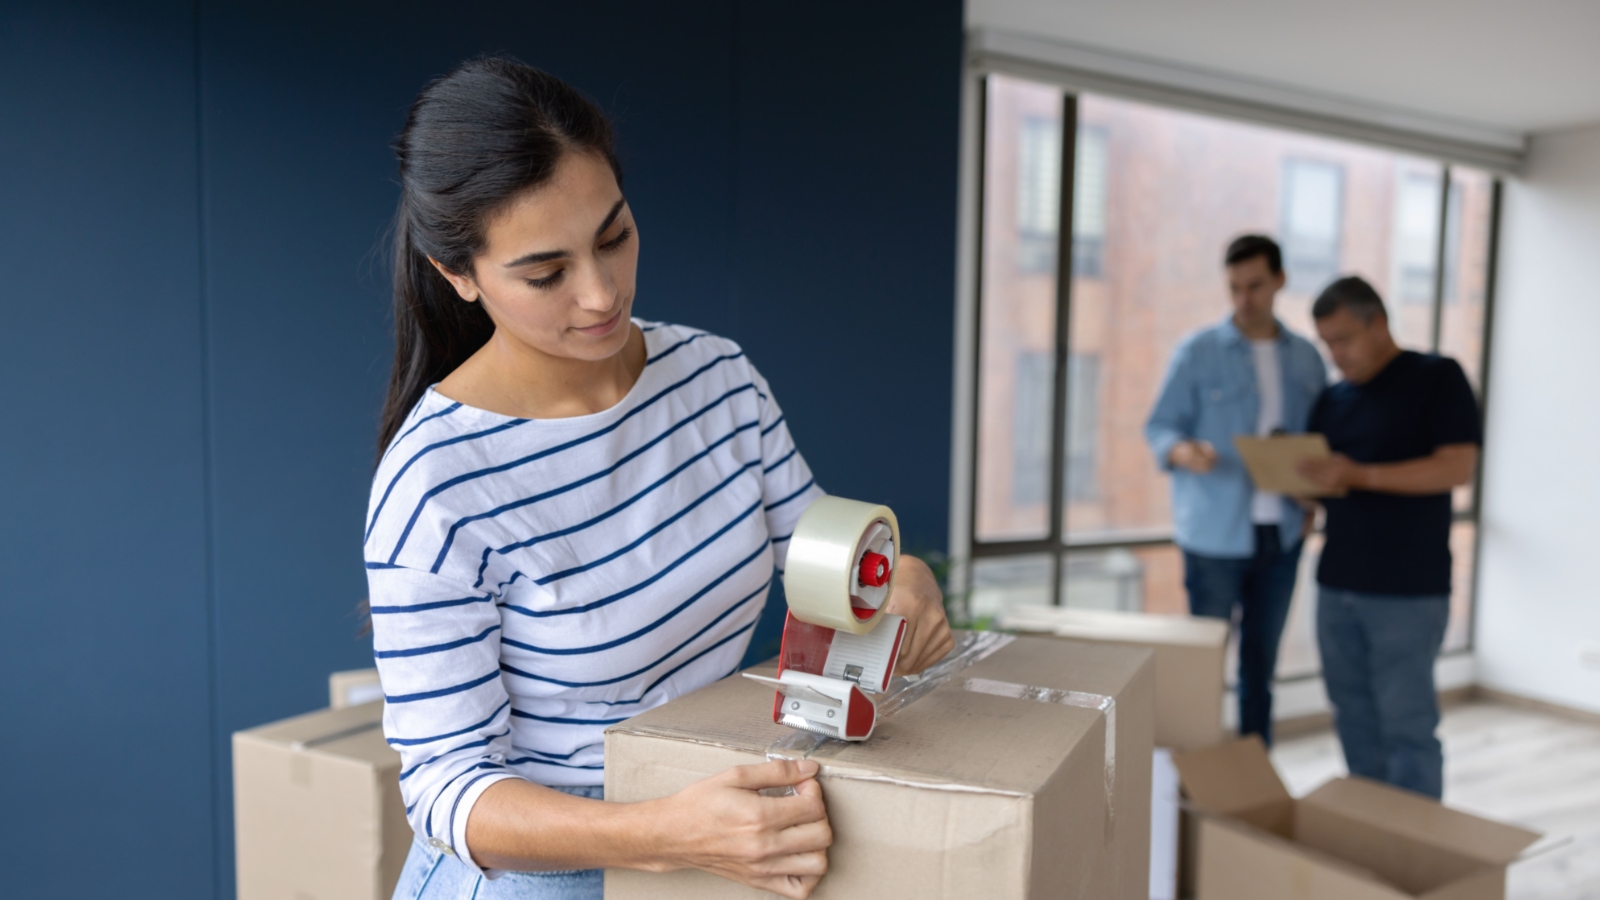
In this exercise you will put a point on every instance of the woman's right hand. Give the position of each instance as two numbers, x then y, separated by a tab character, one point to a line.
724	825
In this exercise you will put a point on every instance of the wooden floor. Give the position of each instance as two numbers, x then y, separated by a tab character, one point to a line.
1521	766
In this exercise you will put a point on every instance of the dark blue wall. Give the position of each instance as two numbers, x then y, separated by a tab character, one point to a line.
193	327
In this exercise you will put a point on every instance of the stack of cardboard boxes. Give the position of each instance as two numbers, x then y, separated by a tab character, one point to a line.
1026	773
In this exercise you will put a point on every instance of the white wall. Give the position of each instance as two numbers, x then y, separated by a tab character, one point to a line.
1539	594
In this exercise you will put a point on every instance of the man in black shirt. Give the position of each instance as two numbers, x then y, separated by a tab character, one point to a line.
1405	430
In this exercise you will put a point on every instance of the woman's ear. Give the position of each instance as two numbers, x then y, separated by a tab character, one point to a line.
464	285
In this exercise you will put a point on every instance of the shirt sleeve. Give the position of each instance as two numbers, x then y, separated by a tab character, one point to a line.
437	646
1173	418
787	485
1453	416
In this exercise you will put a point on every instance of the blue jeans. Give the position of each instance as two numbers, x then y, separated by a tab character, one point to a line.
1377	661
431	874
1260	588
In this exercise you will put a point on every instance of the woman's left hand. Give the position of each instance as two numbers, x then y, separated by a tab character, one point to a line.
915	594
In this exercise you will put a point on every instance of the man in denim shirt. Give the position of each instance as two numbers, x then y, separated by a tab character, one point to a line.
1241	547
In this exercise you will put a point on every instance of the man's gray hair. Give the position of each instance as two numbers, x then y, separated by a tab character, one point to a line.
1350	293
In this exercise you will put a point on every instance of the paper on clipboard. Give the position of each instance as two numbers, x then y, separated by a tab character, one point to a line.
1271	462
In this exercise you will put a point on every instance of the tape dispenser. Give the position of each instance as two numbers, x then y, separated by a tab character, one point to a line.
838	645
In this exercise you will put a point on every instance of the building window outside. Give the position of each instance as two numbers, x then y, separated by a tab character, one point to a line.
1038	193
1338	208
1416	241
1030	428
1313	195
1083	412
1089	203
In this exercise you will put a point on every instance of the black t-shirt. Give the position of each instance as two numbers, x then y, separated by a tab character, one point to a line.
1390	543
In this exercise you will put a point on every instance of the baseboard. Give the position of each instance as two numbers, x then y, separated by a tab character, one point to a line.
1495	695
1323	721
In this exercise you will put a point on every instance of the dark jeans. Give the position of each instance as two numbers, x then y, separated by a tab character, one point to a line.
1377	662
1260	588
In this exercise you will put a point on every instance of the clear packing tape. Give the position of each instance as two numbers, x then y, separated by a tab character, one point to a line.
971	646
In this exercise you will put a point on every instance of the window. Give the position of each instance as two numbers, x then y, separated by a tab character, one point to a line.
1038	192
1030	424
1089	203
1083	411
1416	241
1313	195
1146	270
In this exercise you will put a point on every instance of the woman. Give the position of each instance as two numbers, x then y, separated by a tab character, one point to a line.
576	518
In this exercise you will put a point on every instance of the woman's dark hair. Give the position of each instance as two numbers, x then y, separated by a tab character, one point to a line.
474	141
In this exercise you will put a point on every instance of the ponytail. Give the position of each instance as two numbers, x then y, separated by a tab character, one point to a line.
474	141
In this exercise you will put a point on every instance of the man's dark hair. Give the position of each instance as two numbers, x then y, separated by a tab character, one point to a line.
1350	293
1250	246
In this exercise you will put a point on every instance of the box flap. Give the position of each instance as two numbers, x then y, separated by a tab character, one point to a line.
1104	625
1230	778
1422	819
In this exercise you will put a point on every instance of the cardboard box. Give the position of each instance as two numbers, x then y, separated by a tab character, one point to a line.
317	809
993	784
1190	681
1190	660
1350	839
353	687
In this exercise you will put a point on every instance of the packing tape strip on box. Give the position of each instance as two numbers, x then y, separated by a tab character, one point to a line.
1082	700
841	563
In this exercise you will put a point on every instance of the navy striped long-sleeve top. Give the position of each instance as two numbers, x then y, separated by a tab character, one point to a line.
535	580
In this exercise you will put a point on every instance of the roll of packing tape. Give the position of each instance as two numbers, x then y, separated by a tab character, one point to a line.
841	563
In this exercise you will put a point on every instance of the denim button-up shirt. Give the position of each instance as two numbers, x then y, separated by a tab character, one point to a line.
1210	394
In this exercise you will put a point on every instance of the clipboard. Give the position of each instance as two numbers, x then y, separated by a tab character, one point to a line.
1271	462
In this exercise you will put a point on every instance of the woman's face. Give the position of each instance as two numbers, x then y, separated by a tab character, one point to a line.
558	266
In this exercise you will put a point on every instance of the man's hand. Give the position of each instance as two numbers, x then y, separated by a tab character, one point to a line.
1333	473
915	594
1198	457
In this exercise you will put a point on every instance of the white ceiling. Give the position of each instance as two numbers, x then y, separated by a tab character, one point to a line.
1520	65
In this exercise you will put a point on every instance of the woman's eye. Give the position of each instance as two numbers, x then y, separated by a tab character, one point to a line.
548	281
619	240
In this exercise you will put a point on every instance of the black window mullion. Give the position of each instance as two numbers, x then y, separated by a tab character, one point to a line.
1440	257
977	336
1485	357
1063	339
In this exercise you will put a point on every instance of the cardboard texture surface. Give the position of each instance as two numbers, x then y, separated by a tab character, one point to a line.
960	794
317	808
1350	838
1190	658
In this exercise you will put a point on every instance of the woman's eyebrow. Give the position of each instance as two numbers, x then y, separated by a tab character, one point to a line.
528	259
610	217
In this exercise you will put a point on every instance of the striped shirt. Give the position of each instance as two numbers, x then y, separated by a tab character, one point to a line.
535	580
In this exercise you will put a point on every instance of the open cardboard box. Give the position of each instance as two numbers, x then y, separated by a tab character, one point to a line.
1350	839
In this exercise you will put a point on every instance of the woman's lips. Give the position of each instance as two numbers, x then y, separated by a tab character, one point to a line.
604	328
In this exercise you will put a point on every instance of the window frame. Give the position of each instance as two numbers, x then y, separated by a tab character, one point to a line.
966	546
